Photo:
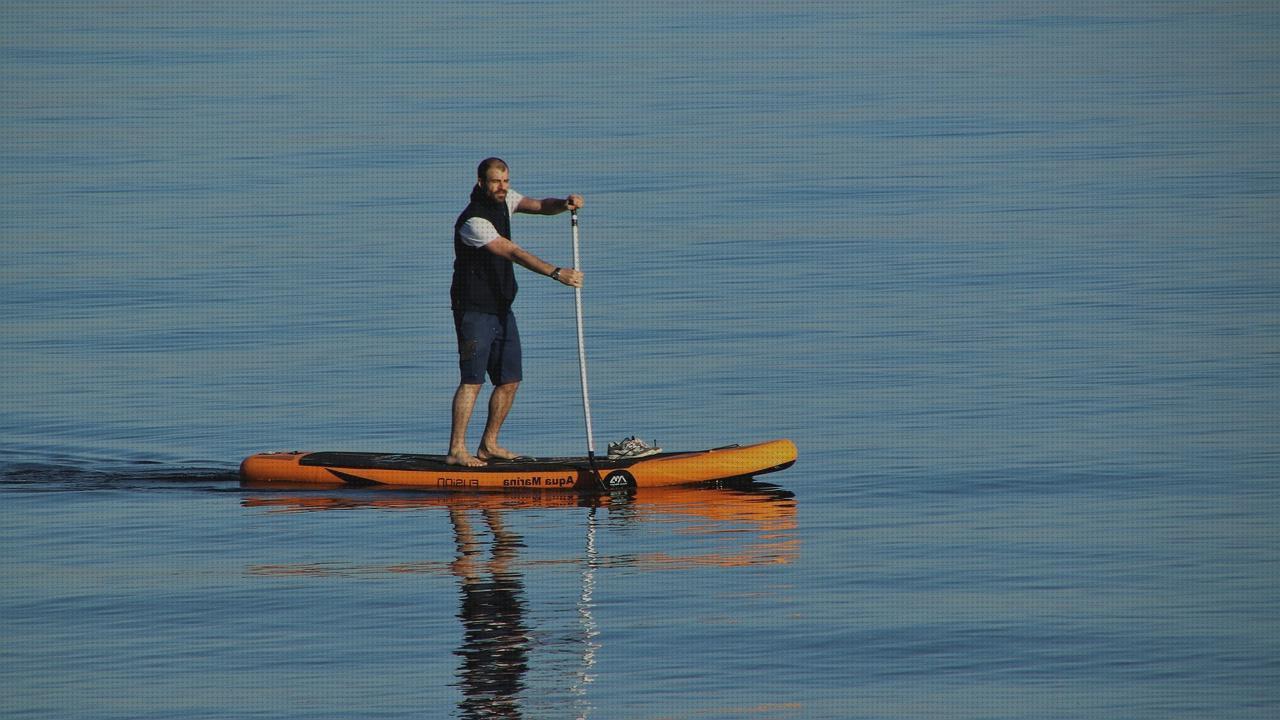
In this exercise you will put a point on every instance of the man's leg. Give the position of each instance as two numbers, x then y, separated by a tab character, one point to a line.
505	371
464	401
475	338
499	405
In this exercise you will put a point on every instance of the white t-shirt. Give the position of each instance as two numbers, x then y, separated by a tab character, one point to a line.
478	232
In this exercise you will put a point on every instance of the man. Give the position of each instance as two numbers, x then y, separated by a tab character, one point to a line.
484	287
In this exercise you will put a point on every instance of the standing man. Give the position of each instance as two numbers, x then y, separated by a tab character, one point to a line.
484	287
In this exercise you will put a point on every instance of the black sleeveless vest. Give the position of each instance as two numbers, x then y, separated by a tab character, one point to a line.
481	280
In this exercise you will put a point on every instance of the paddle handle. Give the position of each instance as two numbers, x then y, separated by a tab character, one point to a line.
582	343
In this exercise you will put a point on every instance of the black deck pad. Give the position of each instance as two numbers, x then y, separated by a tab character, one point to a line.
401	461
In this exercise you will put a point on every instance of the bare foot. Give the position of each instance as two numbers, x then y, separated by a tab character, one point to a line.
464	459
495	453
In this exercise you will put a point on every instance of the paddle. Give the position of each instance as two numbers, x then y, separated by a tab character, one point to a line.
582	360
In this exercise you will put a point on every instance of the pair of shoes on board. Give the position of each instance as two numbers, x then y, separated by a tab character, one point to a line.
632	447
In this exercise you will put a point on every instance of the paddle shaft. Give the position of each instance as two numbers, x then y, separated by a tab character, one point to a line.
582	351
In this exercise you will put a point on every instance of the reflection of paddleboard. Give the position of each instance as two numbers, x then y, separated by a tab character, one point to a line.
760	506
741	523
430	471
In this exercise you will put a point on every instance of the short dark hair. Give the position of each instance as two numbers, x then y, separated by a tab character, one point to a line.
490	162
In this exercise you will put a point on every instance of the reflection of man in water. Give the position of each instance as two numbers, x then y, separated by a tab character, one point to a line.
495	645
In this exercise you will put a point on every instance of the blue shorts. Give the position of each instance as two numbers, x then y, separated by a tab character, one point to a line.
487	343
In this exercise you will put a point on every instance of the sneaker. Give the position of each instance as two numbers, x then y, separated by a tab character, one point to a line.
632	447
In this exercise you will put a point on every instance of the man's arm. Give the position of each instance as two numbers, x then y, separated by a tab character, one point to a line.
505	248
549	206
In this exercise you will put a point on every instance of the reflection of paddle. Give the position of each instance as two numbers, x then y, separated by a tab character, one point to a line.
582	359
589	628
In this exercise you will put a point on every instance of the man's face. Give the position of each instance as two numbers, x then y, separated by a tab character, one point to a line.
496	182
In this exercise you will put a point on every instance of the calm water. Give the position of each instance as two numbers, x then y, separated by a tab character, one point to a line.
1007	272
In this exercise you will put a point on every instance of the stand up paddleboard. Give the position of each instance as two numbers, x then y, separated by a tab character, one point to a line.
573	473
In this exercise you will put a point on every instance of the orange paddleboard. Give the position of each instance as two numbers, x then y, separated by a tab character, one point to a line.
571	473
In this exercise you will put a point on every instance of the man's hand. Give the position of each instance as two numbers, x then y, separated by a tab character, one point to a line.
570	277
573	202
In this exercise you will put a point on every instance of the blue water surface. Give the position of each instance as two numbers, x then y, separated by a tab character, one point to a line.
1007	273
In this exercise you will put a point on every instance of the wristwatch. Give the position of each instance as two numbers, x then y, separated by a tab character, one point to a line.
555	274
